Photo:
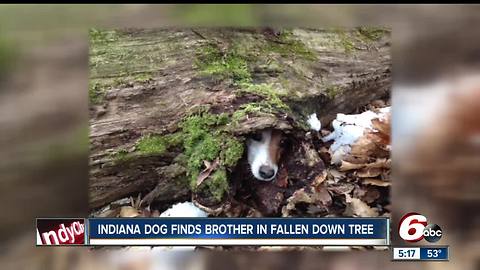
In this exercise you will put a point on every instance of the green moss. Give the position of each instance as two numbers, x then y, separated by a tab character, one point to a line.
218	184
345	41
121	156
205	138
198	132
247	109
157	145
143	78
199	141
233	151
269	92
96	92
97	88
102	36
331	91
231	65
271	104
117	82
350	41
370	34
116	56
262	89
289	47
207	147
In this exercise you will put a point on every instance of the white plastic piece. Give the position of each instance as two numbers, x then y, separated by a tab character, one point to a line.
185	209
314	122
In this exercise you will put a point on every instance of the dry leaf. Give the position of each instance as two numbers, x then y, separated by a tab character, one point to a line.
357	208
132	202
376	142
335	175
322	196
136	203
319	178
298	196
311	155
371	195
128	211
367	147
368	172
209	167
380	163
383	128
379	168
317	210
342	188
375	182
359	191
308	195
347	166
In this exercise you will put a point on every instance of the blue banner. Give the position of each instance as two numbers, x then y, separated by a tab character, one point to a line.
238	231
434	253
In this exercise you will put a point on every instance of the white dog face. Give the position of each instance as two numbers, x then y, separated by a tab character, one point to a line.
264	150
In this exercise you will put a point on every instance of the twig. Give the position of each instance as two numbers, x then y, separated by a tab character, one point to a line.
198	34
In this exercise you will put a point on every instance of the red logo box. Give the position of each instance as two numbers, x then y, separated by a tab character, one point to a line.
60	231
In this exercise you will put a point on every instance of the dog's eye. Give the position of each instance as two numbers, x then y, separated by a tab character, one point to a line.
257	137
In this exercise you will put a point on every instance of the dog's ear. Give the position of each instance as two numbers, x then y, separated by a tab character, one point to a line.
275	147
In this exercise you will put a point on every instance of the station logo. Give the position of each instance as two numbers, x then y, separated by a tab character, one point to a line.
52	231
414	227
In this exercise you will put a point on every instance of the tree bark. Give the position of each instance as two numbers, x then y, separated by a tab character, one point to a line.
145	82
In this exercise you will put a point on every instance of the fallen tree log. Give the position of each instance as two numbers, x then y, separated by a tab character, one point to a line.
167	104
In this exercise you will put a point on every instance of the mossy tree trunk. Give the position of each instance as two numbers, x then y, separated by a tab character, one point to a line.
165	101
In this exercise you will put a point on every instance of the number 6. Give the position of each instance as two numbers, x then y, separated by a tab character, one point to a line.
411	227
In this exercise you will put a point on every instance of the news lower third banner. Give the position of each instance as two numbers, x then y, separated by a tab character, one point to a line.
238	231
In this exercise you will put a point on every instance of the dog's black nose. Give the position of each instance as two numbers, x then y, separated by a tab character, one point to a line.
266	172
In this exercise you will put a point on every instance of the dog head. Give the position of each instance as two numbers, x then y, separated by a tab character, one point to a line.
264	152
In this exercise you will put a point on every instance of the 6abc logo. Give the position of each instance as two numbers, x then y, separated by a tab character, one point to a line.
413	228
